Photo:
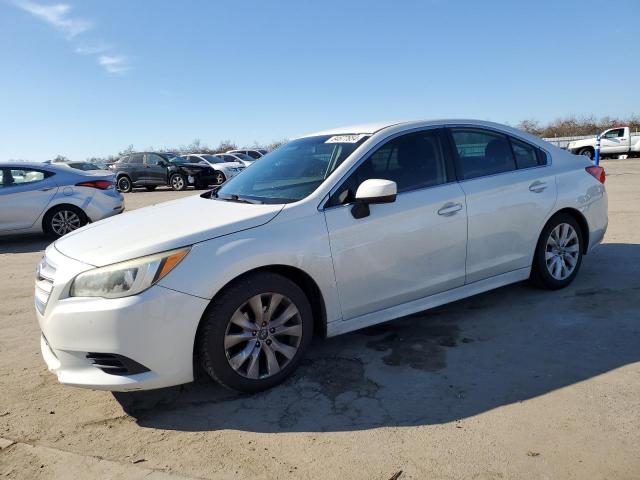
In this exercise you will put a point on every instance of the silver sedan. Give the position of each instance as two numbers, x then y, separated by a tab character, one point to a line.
36	197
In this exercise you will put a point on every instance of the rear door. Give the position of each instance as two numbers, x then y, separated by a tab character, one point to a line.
24	194
135	168
408	249
509	190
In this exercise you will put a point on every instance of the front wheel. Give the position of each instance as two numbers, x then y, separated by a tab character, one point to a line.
587	152
219	178
558	253
253	336
178	182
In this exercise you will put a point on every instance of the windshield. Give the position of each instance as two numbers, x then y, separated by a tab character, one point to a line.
179	160
212	158
291	172
84	166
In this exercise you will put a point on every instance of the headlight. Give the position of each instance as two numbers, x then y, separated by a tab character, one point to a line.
126	278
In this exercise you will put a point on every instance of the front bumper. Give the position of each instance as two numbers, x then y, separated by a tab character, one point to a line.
155	329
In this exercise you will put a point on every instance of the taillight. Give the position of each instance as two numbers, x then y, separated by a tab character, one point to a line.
597	172
99	184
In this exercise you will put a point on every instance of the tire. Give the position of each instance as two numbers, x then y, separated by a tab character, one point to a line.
220	178
221	341
150	188
178	182
63	219
123	184
587	152
546	272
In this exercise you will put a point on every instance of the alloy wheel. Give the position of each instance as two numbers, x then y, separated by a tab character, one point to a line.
263	336
219	178
65	221
177	182
562	251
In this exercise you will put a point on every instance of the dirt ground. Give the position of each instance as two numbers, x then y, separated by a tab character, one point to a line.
515	383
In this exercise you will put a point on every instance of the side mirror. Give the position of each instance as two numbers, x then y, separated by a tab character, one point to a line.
371	191
162	163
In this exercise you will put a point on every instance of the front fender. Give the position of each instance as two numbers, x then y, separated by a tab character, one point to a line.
301	243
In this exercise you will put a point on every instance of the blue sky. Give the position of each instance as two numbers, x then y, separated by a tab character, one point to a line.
87	78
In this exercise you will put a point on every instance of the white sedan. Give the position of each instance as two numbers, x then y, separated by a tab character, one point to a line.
224	169
332	232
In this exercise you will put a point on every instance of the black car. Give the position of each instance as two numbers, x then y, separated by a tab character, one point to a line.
153	169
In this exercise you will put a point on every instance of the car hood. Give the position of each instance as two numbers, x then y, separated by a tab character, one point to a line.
161	227
228	165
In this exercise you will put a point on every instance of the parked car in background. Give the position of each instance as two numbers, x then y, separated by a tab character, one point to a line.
153	169
53	198
332	232
85	166
254	153
238	157
613	142
224	168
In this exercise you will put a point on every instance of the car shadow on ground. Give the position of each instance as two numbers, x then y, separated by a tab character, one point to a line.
24	243
442	365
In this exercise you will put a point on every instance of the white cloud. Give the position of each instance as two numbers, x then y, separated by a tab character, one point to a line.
113	63
92	49
57	15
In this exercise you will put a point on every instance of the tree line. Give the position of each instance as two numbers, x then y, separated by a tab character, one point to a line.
578	126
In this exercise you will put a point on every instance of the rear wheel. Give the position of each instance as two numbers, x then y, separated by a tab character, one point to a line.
255	333
64	219
178	182
124	184
558	253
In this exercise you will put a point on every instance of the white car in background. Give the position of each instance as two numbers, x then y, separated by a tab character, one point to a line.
247	160
54	198
254	153
224	169
332	232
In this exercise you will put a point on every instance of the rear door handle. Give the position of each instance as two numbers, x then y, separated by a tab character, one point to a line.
538	187
449	209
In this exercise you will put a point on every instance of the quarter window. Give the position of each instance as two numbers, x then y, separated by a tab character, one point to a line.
481	152
412	161
526	155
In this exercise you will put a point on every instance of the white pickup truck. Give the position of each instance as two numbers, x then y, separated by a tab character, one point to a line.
613	142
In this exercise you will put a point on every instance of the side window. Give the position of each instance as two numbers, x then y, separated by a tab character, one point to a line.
412	161
18	176
152	158
253	154
136	158
482	152
526	155
617	133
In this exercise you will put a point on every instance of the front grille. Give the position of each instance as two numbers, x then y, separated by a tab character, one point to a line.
115	364
45	273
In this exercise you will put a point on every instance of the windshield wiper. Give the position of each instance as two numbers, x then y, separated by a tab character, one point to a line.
236	198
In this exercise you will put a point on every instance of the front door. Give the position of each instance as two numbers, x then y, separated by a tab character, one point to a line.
614	141
24	194
155	171
408	249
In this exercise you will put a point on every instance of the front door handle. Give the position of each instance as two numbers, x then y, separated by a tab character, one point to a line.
538	187
449	209
46	189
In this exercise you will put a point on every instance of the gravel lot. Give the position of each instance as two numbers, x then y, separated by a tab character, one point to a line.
515	383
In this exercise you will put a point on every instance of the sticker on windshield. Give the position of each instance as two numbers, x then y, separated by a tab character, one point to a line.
345	138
